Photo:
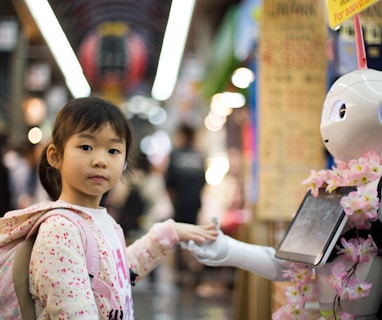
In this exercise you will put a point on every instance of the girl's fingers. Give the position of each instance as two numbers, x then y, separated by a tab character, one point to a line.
209	234
197	233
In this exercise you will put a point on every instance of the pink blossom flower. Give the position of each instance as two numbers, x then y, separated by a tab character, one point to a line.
366	249
375	171
358	289
338	273
300	314
341	165
303	275
352	203
283	313
298	273
315	181
361	207
290	312
356	173
309	291
358	249
349	250
363	170
370	196
294	296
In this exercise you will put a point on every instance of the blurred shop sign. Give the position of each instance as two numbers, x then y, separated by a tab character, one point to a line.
341	10
291	74
8	34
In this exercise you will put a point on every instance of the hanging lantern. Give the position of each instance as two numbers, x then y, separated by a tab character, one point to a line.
113	58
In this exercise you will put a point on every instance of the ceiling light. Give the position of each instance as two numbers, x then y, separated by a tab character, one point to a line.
172	48
60	47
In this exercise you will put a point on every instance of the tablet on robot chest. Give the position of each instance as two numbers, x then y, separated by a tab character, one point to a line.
315	228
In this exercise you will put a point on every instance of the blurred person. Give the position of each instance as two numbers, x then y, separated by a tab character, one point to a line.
22	162
185	175
154	193
18	169
185	179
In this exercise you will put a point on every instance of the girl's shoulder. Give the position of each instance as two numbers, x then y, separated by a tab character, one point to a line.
17	224
41	208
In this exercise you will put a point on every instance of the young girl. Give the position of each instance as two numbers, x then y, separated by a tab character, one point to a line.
86	157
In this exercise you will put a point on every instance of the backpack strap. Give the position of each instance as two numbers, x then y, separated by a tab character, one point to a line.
23	254
88	240
21	279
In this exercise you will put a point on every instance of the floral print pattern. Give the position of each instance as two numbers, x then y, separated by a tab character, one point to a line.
59	281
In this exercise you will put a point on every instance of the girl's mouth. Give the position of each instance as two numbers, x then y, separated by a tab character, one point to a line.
98	178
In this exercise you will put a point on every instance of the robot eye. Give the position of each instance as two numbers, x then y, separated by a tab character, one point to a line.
338	111
342	111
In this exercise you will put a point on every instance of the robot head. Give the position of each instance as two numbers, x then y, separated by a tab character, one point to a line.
351	122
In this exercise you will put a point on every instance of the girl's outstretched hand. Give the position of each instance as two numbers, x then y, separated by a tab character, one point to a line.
197	233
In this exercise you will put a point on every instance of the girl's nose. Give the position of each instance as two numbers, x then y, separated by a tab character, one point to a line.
99	161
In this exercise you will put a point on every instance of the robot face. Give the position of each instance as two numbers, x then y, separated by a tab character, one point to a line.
351	123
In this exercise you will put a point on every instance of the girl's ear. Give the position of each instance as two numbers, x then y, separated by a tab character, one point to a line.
53	156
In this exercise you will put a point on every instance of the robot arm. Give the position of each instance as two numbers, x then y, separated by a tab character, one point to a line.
226	251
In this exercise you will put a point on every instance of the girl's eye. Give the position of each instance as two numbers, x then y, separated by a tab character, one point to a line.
114	151
85	147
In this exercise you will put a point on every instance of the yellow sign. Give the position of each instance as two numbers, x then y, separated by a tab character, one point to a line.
341	10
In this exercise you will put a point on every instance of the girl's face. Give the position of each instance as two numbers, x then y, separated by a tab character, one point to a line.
91	165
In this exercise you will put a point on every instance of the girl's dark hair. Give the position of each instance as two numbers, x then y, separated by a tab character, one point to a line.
79	115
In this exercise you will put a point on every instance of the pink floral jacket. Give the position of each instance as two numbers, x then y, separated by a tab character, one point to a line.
59	281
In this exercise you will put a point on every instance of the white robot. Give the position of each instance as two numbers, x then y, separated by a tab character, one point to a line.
351	126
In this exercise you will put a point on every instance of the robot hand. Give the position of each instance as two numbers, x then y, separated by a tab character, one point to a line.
226	251
211	253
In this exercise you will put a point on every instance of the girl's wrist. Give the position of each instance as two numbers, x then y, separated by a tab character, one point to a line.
166	233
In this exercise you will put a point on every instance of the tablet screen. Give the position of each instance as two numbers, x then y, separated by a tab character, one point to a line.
315	228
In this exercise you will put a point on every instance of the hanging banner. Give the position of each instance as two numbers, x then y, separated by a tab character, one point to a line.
341	10
292	87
